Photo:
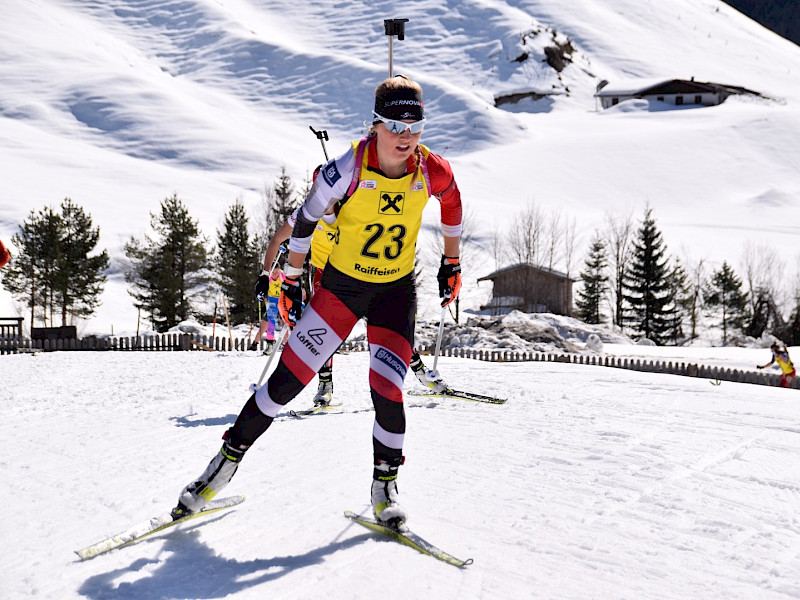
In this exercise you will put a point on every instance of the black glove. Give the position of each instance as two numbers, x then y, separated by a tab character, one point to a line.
262	286
449	277
290	304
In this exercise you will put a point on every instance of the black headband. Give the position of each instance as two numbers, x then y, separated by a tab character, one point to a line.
400	104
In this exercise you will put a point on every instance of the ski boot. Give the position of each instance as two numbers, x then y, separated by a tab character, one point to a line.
324	394
216	476
270	347
385	506
429	379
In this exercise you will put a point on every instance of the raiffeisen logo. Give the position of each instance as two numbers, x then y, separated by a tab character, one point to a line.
375	270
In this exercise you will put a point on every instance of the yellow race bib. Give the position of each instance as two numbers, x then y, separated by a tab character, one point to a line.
322	243
377	228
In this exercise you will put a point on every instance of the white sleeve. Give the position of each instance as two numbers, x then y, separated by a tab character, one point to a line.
330	186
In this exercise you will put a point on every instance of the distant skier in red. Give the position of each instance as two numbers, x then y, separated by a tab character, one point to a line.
784	362
5	256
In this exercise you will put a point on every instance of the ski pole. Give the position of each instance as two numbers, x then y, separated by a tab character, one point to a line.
322	136
254	387
439	341
281	250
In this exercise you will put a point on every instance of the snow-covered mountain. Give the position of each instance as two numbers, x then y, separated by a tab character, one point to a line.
589	482
118	104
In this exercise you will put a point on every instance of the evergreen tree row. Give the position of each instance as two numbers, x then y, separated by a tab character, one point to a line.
172	273
653	297
59	276
55	275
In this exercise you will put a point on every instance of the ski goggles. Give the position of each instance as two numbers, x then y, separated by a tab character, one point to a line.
400	126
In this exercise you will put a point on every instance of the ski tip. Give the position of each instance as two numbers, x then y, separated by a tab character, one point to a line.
231	501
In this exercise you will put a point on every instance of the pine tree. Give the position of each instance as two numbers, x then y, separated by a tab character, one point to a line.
54	271
725	297
169	272
595	283
792	337
237	263
22	276
645	283
759	312
279	202
48	233
79	278
680	299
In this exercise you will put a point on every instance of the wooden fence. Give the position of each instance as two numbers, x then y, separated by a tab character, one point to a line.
187	342
717	374
10	327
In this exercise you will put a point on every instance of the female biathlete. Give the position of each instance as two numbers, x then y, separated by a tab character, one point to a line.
784	362
379	188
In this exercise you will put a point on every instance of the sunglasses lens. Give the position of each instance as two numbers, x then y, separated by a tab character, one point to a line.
399	126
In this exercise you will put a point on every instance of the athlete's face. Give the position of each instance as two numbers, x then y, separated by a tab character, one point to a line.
396	147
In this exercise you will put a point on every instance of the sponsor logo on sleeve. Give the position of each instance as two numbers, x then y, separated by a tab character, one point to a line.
331	174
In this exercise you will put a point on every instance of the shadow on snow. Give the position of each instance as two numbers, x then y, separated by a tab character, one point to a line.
192	569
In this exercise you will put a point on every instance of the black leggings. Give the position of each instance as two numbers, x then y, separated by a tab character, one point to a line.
389	309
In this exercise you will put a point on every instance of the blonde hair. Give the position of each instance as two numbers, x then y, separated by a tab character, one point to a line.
392	84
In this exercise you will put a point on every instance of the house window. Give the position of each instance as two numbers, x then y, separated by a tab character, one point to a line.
678	99
660	98
698	99
614	101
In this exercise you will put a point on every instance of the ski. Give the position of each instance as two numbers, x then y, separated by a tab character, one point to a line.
405	536
299	414
450	393
154	525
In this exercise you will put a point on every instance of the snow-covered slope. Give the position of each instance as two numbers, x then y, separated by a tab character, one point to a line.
588	483
120	104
